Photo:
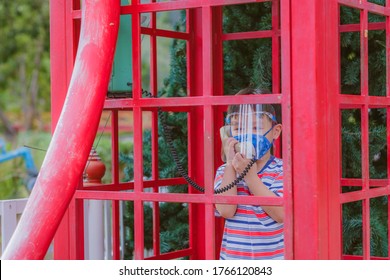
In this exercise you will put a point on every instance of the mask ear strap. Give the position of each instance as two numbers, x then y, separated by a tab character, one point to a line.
269	130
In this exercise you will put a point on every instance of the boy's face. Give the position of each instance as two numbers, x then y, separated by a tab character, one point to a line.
250	124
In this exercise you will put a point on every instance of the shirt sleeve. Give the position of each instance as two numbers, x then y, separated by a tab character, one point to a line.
277	185
218	177
277	188
217	184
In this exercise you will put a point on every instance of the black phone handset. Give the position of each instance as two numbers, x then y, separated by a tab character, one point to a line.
168	138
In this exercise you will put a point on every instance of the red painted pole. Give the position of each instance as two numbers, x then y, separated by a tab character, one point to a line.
74	135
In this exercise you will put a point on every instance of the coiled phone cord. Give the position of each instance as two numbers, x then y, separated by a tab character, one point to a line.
179	166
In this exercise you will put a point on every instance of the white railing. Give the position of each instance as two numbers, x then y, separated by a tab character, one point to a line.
10	211
97	227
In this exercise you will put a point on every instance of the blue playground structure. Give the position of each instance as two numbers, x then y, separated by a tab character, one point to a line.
24	153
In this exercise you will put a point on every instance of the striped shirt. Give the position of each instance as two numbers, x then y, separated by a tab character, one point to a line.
251	233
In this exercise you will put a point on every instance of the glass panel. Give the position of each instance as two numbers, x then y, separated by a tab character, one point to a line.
350	51
98	230
350	62
377	56
177	130
125	145
351	143
376	18
147	143
352	228
247	62
172	20
145	19
174	227
145	63
171	67
102	145
379	2
379	226
349	15
174	189
169	20
247	17
347	189
148	229
151	1
128	230
378	143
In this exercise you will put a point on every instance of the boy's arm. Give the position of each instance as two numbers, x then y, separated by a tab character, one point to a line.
229	175
257	188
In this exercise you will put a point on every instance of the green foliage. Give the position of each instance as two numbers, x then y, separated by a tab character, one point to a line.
174	233
247	62
24	58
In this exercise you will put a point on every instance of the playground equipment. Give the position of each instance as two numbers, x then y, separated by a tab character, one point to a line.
25	154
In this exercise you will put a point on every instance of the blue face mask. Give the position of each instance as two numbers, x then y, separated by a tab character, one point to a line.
260	143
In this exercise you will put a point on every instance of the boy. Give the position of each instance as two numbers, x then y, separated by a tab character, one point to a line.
251	231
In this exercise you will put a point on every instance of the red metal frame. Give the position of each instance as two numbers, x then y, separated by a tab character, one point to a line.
306	83
205	101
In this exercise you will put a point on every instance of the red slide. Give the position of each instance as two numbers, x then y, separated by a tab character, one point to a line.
73	137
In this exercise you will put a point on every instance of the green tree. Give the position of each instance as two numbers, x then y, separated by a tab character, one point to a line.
247	62
24	62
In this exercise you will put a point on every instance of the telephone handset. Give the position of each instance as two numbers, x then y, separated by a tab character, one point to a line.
244	148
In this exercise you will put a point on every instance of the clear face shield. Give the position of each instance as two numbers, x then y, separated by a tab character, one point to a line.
249	124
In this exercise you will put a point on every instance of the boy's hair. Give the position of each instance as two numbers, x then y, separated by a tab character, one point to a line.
265	107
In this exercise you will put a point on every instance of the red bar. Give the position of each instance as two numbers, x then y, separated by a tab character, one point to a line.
193	101
115	230
357	101
178	197
165	33
115	147
207	51
285	18
310	161
250	35
76	229
370	7
138	150
60	22
173	255
180	5
364	194
359	182
356	27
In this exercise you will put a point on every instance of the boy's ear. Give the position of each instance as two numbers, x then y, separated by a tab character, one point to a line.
276	131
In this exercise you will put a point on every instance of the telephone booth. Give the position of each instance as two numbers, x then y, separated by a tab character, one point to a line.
306	42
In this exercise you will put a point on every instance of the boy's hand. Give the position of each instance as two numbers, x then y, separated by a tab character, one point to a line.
240	163
228	148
